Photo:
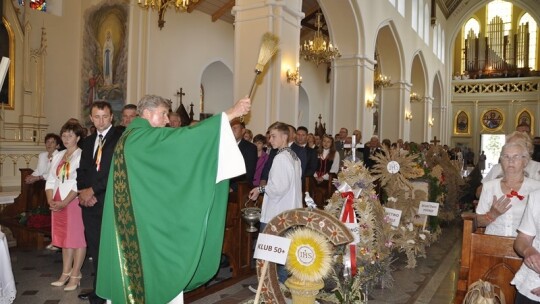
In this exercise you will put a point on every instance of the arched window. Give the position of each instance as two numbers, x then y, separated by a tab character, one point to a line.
443	46
527	18
421	19
426	23
502	9
473	25
414	15
401	7
434	40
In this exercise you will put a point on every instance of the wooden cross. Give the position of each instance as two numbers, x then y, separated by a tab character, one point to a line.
435	141
180	93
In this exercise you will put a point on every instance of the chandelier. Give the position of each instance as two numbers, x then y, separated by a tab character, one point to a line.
318	50
162	5
381	80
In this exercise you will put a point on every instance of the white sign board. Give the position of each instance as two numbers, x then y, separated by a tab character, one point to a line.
394	215
428	208
272	248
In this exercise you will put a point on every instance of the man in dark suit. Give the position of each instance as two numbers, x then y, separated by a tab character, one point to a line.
340	143
92	175
371	148
249	152
311	154
300	151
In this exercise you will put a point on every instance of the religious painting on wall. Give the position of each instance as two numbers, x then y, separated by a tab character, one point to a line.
7	50
104	66
524	119
461	125
492	120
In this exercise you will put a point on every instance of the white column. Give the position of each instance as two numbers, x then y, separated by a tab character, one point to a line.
394	103
352	85
274	98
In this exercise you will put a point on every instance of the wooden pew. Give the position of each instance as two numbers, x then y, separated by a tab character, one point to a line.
31	197
487	257
319	192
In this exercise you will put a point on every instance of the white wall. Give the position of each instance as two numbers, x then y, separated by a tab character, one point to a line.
177	55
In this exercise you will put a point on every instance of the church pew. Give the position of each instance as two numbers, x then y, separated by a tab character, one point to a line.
31	197
320	192
487	257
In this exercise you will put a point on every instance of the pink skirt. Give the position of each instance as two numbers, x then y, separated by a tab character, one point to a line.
67	225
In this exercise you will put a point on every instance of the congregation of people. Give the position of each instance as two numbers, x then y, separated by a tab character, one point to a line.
278	167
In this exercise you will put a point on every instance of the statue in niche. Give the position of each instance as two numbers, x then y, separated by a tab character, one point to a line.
108	52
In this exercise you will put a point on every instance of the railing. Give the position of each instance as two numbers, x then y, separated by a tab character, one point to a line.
496	86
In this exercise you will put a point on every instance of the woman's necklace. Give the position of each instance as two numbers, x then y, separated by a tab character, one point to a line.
513	185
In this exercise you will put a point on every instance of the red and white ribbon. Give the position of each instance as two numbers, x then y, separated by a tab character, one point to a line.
348	217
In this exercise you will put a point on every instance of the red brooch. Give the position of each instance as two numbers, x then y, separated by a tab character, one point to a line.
516	194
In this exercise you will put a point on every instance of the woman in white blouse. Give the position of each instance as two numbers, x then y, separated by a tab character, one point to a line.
67	225
527	245
52	144
503	200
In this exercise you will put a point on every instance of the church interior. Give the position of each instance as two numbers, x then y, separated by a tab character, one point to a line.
443	74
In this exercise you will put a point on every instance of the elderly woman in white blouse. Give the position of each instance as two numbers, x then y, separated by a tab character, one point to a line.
527	245
503	200
52	144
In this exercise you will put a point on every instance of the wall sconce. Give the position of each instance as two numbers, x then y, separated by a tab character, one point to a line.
431	121
408	115
370	102
414	97
294	76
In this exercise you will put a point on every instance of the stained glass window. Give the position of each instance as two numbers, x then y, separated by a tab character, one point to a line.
38	5
527	18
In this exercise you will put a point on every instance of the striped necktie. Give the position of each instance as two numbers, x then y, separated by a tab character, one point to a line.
99	151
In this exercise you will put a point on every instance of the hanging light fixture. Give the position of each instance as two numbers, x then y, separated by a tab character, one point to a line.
381	80
319	50
162	5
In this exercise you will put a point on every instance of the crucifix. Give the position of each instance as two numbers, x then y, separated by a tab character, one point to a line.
435	141
179	94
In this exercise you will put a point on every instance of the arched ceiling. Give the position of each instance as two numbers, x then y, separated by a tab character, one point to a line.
221	10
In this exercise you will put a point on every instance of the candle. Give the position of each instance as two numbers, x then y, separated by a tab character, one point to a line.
353	147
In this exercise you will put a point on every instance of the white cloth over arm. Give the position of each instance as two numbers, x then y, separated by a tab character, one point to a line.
230	161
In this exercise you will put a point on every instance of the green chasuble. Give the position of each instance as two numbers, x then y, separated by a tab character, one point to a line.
164	213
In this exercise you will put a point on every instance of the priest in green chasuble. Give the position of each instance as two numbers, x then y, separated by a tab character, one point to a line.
166	202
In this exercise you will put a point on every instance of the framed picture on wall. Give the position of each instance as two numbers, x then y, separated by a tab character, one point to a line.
524	119
461	123
492	120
